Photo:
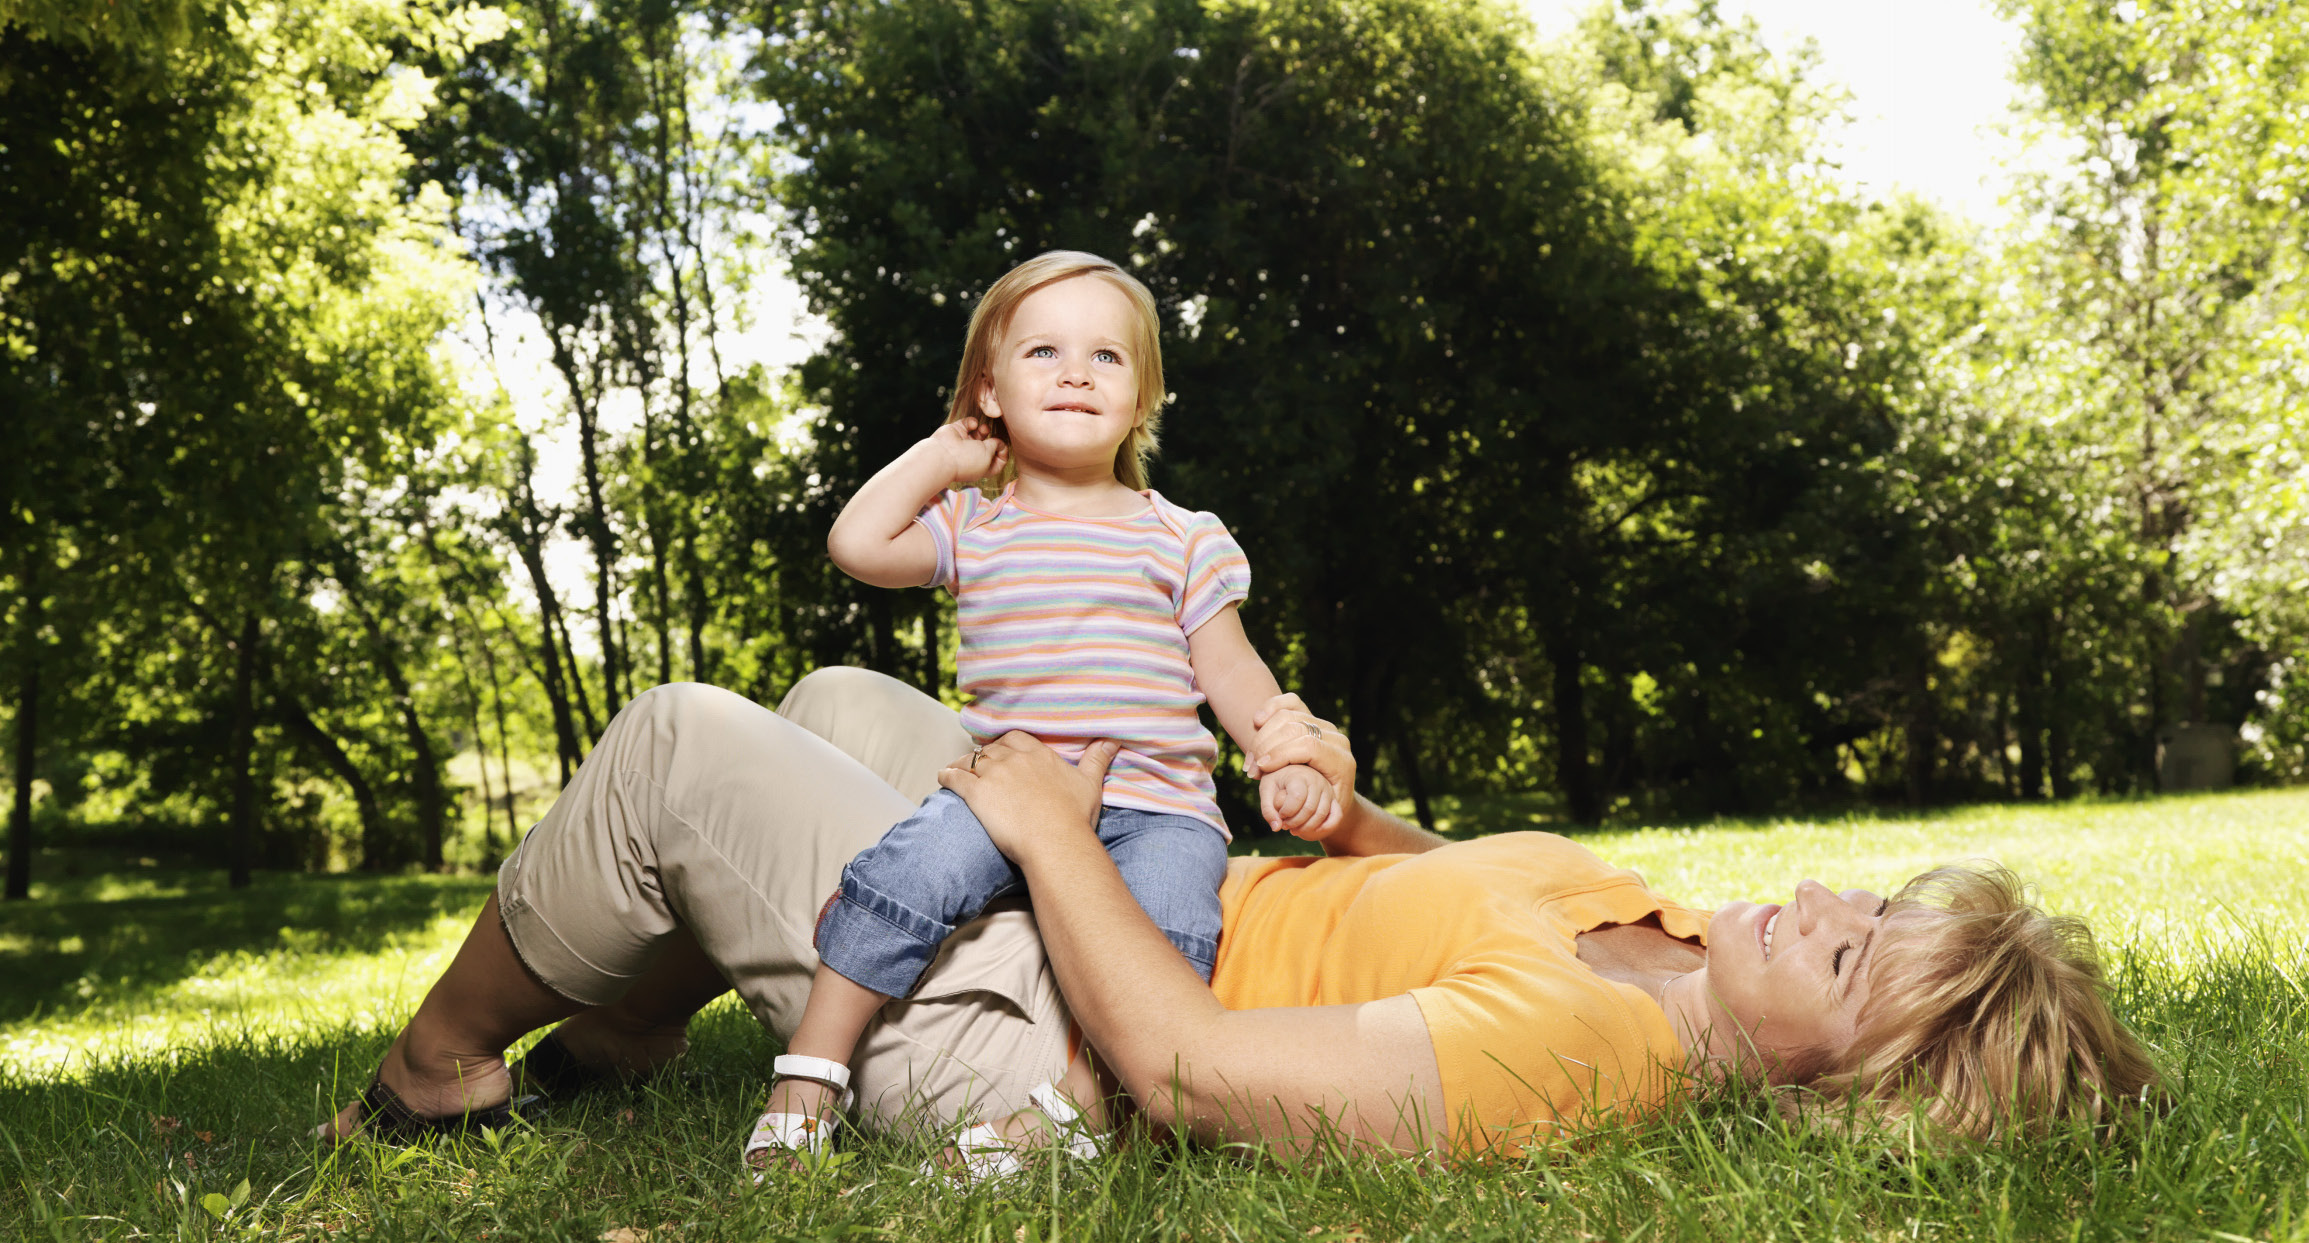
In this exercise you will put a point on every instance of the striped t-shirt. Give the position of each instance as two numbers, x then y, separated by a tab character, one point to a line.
1075	629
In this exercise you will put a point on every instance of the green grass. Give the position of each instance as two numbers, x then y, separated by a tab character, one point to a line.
163	1041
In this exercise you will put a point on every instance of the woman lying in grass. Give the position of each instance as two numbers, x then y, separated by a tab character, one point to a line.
1479	996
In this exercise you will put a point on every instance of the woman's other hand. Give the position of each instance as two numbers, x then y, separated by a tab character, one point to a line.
1024	792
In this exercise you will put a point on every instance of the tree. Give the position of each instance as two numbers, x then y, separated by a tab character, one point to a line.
2158	271
217	277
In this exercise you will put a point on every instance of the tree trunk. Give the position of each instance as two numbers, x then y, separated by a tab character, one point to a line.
242	754
1407	753
425	766
376	839
595	523
2057	760
504	747
1923	732
481	764
1573	771
2007	772
701	666
585	715
2029	709
882	635
1619	740
661	595
526	528
933	666
30	624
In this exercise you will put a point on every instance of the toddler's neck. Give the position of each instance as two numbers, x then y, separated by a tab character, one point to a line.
1077	498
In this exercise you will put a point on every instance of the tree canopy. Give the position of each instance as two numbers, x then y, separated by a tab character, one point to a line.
1587	434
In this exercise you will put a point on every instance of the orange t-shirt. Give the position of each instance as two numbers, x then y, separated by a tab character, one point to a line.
1530	1042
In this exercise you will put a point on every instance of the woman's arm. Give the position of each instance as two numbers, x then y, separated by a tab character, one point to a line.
875	538
1366	1072
1369	829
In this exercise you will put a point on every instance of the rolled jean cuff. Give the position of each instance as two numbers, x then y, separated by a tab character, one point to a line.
1201	952
873	940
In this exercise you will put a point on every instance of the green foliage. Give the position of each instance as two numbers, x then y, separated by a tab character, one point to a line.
1593	445
1508	422
222	310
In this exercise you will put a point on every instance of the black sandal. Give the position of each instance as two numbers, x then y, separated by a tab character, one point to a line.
551	1073
388	1119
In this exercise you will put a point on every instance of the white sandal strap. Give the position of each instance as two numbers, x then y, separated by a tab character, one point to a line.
800	1132
824	1070
788	1133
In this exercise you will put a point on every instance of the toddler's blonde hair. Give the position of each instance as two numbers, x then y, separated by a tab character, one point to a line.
990	319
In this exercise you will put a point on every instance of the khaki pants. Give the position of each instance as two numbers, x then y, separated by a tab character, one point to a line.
700	809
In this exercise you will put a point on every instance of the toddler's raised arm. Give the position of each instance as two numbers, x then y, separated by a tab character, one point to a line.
875	539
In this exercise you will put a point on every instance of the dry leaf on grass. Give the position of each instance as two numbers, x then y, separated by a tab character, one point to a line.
625	1234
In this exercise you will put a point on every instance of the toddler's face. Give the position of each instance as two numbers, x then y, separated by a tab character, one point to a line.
1065	382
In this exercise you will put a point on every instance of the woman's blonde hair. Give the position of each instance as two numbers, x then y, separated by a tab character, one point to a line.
1988	1017
990	319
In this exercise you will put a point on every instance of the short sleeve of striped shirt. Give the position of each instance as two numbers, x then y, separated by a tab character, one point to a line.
945	517
1218	574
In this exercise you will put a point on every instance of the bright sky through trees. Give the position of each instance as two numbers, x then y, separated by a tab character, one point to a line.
1930	84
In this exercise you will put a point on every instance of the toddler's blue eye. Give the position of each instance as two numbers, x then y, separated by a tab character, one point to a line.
1109	356
1041	351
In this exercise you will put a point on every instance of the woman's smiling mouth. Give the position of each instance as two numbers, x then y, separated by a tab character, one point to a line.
1764	934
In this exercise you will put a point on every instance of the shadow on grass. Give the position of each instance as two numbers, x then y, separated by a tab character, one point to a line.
130	1147
56	950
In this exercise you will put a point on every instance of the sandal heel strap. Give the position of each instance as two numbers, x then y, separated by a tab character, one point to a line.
1071	1131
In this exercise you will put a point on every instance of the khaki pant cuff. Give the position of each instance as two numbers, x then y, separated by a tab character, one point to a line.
545	953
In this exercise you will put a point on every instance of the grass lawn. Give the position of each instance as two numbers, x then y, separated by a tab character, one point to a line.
166	1046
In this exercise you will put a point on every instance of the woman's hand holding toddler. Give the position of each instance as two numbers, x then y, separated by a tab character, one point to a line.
1298	800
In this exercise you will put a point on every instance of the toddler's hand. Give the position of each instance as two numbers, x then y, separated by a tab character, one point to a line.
1296	799
973	449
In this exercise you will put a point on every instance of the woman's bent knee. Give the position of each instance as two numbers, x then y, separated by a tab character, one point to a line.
838	685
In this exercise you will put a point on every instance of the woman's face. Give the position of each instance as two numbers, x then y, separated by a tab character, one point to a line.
1783	979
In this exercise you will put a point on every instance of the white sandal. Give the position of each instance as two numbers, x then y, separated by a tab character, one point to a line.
809	1134
988	1156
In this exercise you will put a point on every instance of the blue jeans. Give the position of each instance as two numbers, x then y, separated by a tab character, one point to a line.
936	869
